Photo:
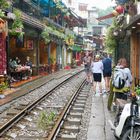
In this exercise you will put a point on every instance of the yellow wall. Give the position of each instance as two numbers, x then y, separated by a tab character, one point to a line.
43	53
53	50
22	52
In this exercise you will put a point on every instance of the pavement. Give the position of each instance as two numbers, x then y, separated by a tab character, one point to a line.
99	128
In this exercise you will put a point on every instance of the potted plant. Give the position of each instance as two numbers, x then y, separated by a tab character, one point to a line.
52	63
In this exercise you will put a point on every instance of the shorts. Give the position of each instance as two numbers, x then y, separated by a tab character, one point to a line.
97	77
120	95
107	74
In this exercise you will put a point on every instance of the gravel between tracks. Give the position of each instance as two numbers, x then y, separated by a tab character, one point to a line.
93	127
85	118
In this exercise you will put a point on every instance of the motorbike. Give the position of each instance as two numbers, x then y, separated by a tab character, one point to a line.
127	121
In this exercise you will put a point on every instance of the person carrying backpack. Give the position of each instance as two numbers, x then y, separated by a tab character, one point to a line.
121	79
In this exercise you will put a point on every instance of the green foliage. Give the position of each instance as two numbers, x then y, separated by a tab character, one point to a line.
51	117
51	30
42	121
4	4
3	86
137	89
52	60
61	7
45	120
69	39
1	13
45	35
111	40
17	25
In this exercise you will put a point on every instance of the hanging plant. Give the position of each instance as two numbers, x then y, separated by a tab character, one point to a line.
4	4
2	14
111	37
45	35
59	34
69	39
17	26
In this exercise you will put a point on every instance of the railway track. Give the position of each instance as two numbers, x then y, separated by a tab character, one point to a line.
26	113
68	125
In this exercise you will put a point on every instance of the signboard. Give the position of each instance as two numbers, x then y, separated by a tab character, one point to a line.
2	55
30	44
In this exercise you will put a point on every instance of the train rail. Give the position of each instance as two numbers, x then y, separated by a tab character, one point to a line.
67	126
24	110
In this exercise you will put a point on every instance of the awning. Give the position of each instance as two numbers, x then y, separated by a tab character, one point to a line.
46	5
76	48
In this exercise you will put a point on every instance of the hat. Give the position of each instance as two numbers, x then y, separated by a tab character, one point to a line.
97	56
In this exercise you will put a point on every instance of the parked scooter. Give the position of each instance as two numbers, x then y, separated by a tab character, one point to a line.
127	122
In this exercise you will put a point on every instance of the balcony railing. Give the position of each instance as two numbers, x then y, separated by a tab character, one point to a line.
49	21
29	9
32	21
32	15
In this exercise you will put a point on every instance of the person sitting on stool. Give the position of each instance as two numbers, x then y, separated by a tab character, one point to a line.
29	64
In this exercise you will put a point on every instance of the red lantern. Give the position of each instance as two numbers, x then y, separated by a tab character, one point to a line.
120	9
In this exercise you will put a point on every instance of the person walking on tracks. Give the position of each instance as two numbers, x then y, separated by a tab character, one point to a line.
87	64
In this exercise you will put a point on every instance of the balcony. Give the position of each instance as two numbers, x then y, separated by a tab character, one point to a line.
33	14
32	21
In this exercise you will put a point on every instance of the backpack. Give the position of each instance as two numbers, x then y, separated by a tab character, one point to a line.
119	78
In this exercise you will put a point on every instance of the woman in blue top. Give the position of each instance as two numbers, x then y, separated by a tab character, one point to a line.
107	71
